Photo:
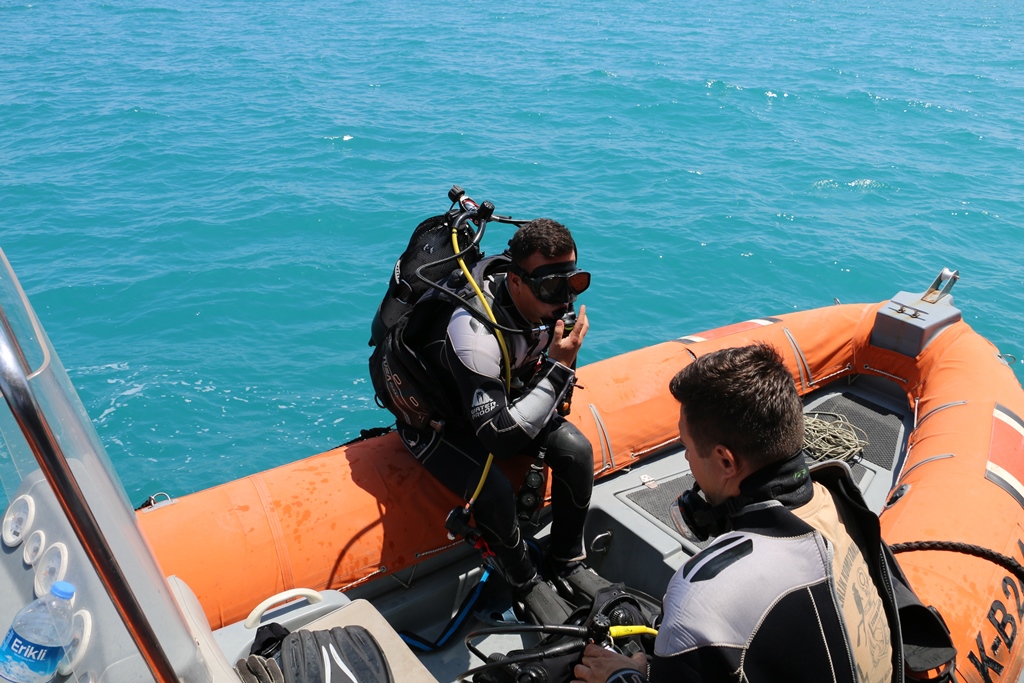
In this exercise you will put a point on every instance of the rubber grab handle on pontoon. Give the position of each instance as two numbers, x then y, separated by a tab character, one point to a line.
254	616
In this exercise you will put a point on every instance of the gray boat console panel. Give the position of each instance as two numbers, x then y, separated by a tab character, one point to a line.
909	322
50	551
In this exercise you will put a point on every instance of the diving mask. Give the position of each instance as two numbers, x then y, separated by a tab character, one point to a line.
555	283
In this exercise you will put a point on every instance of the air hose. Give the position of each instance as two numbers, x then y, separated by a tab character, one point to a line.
504	355
579	637
626	631
423	645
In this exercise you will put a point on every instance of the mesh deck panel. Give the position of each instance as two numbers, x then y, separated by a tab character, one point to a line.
656	502
883	427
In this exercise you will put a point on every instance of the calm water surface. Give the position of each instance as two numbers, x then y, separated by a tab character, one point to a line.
203	200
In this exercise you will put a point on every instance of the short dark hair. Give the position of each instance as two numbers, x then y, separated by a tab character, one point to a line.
745	399
549	238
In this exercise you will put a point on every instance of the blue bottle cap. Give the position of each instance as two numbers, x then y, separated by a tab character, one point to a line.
63	590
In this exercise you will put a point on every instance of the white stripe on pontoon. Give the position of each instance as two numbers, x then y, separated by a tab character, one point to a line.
1008	420
1006	476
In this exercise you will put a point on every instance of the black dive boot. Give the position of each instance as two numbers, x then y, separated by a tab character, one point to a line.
534	599
574	581
539	603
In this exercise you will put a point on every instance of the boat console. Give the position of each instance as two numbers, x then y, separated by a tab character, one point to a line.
67	517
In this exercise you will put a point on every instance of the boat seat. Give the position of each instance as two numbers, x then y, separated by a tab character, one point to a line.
405	667
199	627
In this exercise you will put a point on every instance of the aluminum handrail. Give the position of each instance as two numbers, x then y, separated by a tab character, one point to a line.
36	430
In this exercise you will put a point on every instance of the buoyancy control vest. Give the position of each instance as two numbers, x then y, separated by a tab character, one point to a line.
402	381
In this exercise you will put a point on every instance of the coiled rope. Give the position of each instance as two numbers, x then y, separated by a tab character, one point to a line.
831	436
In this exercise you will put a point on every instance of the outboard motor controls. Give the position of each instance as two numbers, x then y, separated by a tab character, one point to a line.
909	322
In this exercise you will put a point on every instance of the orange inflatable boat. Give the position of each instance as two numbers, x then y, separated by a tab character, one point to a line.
954	474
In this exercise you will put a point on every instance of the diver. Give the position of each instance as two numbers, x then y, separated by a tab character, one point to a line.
528	289
798	585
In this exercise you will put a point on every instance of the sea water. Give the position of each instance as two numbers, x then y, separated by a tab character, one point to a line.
204	200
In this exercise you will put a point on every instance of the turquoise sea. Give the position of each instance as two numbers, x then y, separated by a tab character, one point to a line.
204	200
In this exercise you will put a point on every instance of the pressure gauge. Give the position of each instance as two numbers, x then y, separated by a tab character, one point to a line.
34	547
52	567
18	520
81	632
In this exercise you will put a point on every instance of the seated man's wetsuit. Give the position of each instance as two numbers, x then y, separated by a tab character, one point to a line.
465	360
802	588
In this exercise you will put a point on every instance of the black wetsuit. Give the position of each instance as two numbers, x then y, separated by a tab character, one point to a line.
761	603
465	359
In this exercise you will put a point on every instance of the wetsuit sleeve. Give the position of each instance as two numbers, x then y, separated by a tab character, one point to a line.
627	676
677	669
474	358
685	668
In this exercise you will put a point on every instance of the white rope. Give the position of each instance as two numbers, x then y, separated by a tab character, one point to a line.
831	436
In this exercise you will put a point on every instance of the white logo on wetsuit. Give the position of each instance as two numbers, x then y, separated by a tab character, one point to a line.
482	404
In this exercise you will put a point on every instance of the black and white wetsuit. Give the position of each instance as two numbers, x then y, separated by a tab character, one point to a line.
762	602
465	359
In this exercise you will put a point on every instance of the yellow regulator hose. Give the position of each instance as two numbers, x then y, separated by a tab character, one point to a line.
624	631
504	354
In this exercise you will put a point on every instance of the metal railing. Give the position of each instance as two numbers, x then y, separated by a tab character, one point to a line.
14	385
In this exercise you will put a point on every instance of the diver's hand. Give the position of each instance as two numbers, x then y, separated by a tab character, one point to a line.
564	348
598	664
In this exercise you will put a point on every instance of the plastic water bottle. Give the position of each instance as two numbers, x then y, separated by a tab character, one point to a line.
35	642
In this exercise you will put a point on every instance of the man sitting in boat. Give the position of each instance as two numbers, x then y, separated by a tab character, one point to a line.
795	587
465	360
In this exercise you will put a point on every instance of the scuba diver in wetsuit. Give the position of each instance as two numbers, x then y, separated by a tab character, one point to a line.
464	359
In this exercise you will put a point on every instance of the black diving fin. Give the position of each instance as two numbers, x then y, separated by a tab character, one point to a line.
345	654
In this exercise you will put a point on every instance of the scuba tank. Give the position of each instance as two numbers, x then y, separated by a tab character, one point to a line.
614	616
